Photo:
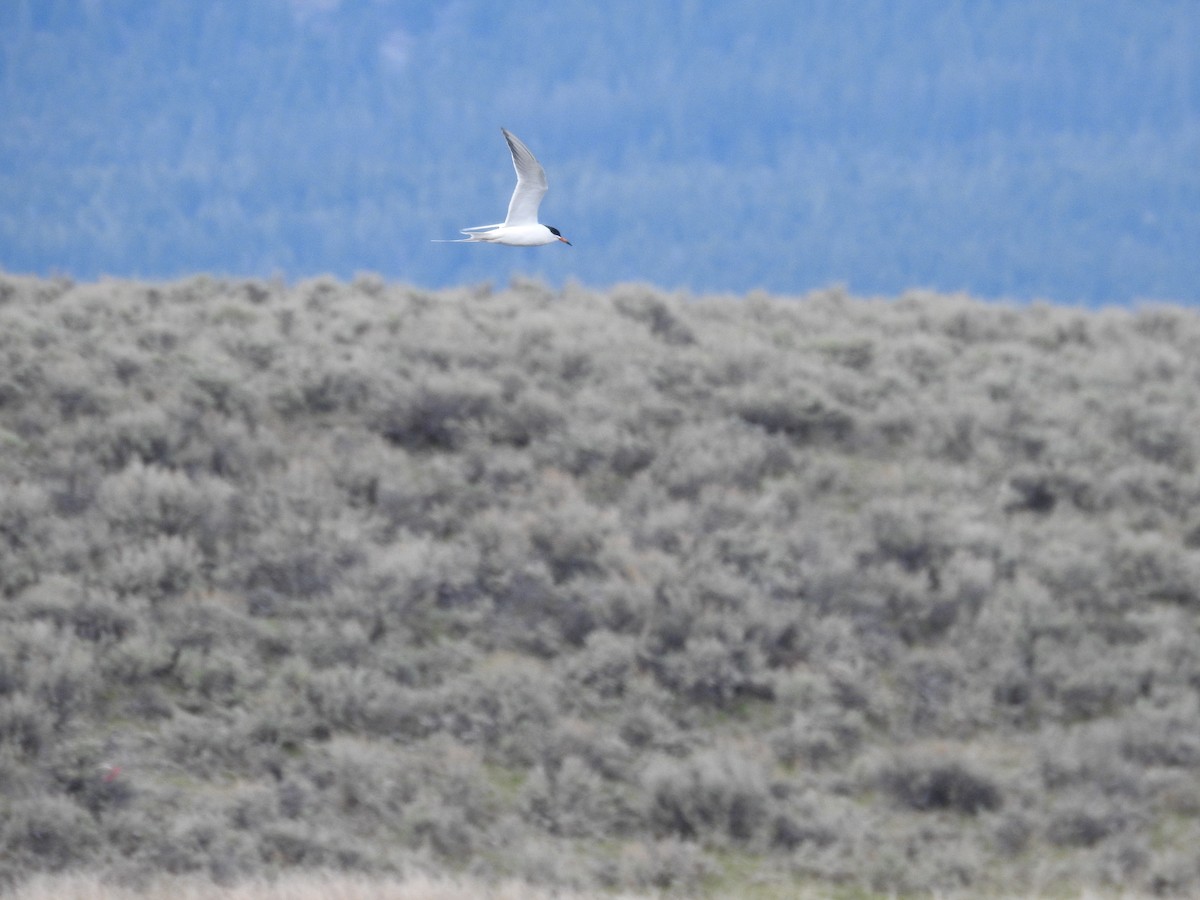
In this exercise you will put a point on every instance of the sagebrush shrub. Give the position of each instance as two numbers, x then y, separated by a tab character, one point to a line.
24	726
24	511
159	569
48	833
931	781
718	795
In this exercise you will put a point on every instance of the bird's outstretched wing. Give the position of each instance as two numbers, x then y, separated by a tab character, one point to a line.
531	183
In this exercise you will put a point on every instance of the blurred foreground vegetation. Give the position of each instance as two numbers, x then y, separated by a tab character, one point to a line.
306	886
613	590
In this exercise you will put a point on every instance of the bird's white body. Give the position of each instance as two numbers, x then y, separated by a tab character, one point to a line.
521	227
514	235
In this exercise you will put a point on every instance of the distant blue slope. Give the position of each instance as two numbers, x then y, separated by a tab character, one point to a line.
1007	149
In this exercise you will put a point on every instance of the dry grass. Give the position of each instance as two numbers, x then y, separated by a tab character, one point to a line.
336	886
307	886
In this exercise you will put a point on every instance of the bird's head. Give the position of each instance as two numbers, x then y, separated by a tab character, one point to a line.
558	234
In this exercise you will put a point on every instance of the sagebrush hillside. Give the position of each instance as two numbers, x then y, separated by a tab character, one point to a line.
598	590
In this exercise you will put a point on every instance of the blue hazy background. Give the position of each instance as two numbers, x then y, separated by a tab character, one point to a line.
1014	149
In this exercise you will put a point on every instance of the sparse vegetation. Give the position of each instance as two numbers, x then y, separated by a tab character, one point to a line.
597	592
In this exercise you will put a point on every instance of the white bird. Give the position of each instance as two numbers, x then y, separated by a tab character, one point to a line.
521	227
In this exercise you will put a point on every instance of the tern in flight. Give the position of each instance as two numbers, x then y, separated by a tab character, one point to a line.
521	228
